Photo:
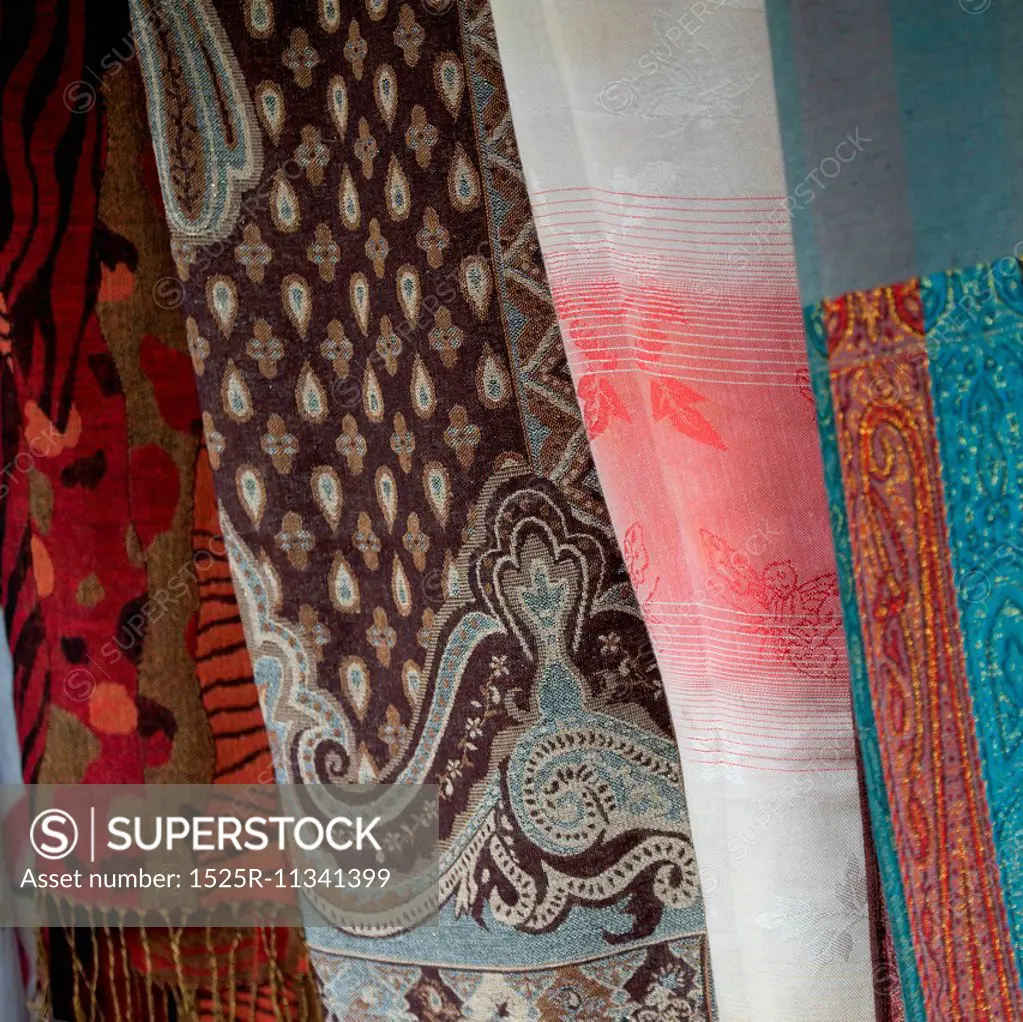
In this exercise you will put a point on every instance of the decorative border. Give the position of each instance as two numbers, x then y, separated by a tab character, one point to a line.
911	688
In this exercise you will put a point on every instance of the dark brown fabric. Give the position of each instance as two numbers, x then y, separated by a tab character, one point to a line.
428	580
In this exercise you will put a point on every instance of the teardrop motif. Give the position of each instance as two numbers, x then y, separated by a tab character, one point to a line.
437	486
398	193
327	493
385	90
358	294
344	587
387	495
452	581
259	18
355	684
330	15
337	104
222	299
400	588
366	771
376	9
450	81
409	292
372	395
310	397
412	680
270	109
463	181
421	390
284	210
251	492
234	394
348	201
493	384
477	284
298	302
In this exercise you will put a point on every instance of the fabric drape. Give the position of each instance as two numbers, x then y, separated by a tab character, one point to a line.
653	160
116	590
14	944
912	287
430	588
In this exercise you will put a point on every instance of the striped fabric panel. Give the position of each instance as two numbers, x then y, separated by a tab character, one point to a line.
222	664
919	447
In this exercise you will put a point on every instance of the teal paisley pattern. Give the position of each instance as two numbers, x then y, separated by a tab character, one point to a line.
574	801
974	323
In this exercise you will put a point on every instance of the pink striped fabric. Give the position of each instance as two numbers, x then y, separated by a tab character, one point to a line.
652	154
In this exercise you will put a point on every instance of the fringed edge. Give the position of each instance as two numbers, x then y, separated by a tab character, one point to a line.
106	987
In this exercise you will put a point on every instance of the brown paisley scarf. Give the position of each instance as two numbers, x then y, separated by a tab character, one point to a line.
429	585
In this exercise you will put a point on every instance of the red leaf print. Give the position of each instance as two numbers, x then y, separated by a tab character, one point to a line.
637	560
600	404
675	402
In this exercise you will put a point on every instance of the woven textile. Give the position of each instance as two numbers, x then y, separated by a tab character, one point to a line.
651	146
13	1000
932	92
110	545
916	373
916	386
428	581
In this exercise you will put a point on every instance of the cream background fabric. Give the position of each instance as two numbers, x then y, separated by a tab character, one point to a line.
649	137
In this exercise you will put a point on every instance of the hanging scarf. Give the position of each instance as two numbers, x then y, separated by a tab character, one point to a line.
654	168
107	505
430	588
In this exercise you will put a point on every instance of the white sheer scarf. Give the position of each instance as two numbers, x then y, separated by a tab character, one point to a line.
649	137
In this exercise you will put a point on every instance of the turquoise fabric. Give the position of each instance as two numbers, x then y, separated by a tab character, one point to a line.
866	729
974	324
937	88
12	992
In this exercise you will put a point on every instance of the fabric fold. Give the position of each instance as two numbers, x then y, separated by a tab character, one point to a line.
103	572
912	284
651	148
428	581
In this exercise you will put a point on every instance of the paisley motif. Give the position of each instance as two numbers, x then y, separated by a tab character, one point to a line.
450	81
385	91
975	360
477	284
201	116
270	109
337	104
426	501
251	492
259	18
493	385
421	389
358	293
222	301
464	189
327	493
284	207
348	201
399	198
330	15
297	301
235	396
919	460
310	396
553	774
